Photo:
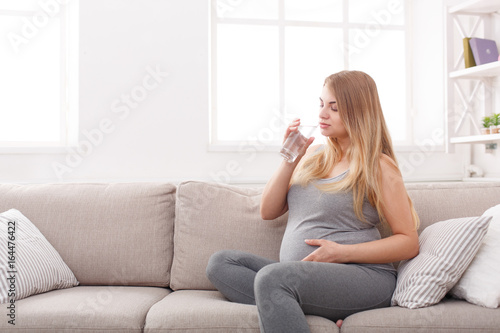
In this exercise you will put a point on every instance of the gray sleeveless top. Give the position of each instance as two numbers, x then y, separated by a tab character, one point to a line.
314	214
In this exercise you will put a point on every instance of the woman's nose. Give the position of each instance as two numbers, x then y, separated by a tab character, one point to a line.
323	114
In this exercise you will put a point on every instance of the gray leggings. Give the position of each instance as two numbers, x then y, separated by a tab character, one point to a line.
285	291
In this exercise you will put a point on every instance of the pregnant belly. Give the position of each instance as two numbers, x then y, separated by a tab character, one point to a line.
294	248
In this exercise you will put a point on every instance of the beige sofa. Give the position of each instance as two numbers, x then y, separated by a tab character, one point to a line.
139	251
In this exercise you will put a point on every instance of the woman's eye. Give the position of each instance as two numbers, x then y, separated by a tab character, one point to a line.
334	109
321	106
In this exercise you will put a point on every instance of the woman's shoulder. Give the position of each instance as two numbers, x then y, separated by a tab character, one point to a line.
315	149
310	152
387	163
389	171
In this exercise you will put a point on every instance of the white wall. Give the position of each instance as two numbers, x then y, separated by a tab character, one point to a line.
165	137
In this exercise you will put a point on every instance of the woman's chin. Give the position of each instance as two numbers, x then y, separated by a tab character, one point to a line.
326	132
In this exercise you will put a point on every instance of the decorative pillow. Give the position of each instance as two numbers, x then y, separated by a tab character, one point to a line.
29	264
446	249
480	284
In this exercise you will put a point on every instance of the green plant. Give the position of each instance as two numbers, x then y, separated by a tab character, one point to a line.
495	119
487	121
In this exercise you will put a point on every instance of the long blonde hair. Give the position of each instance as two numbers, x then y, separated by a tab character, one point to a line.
361	113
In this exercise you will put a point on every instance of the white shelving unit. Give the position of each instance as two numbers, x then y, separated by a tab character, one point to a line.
463	121
475	7
487	70
486	138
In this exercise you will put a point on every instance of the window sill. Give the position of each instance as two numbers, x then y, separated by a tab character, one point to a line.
273	148
32	150
244	147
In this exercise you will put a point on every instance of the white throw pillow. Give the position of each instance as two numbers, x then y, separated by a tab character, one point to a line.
29	264
480	284
446	249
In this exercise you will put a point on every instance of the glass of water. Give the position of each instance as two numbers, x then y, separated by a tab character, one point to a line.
296	141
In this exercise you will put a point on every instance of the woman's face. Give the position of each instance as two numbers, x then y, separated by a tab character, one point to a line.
330	123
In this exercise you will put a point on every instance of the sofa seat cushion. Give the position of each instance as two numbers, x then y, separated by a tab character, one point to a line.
107	233
85	309
191	311
449	315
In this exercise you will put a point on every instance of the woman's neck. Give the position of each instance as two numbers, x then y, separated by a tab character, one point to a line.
344	147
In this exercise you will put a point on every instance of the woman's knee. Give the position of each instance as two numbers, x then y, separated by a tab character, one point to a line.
221	259
216	261
278	278
266	277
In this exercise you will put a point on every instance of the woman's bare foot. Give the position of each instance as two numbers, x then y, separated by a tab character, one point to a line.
339	323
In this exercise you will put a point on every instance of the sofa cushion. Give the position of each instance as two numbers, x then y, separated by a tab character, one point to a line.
85	309
108	234
200	311
211	217
448	316
32	265
442	201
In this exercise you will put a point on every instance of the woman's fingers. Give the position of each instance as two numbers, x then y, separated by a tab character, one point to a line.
308	143
291	128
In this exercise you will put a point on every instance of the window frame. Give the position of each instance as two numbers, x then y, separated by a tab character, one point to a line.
68	115
347	28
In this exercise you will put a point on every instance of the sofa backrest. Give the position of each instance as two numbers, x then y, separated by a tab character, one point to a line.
121	234
436	202
108	234
212	217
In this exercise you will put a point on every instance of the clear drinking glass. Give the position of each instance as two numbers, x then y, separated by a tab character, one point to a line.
296	141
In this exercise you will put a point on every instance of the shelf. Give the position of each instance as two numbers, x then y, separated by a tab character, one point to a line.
459	18
485	138
476	7
487	70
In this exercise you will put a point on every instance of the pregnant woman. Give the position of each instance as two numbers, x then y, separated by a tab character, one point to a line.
333	262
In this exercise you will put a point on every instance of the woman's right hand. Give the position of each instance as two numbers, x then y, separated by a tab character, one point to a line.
293	127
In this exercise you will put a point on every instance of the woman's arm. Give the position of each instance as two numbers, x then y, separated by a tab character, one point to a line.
274	203
403	244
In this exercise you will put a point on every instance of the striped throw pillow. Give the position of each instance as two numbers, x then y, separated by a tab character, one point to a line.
28	263
446	250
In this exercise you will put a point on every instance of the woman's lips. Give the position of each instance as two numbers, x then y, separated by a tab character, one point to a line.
323	125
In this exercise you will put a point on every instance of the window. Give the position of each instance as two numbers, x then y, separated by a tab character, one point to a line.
270	58
37	108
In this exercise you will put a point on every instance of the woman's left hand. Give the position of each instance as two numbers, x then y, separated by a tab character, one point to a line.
327	251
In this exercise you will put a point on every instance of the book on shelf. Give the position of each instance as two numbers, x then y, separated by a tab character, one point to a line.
483	50
468	56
